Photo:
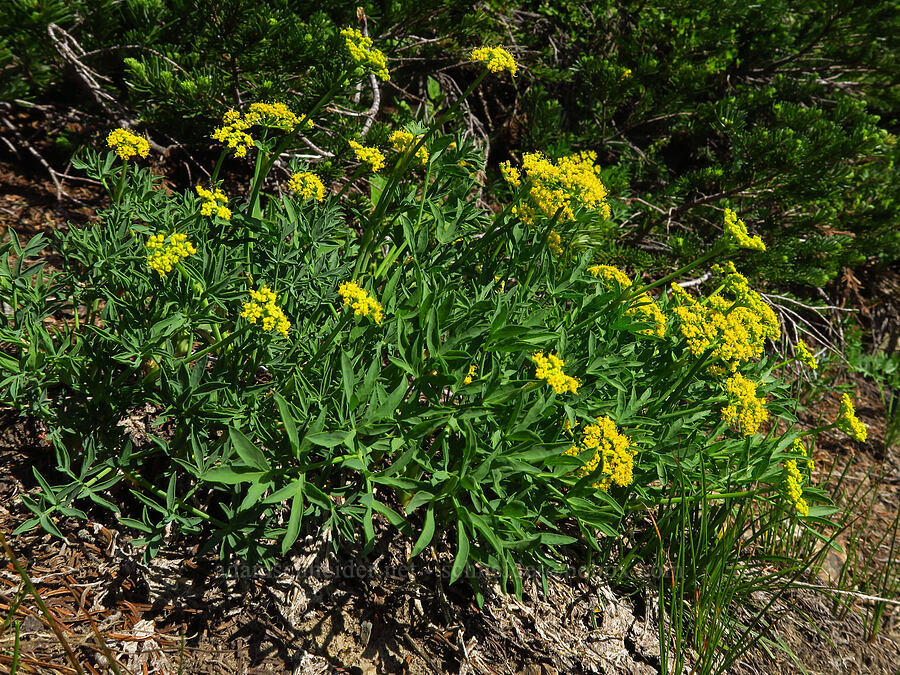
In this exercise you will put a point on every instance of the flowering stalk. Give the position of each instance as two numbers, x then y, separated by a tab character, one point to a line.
706	257
120	188
370	240
263	168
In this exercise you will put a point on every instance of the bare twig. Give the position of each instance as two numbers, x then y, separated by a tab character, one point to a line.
54	175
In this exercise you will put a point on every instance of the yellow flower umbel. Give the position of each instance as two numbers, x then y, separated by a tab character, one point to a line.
643	307
570	183
166	252
403	140
554	243
735	330
263	308
798	448
127	144
613	453
214	202
848	422
471	376
371	156
793	487
307	186
361	302
360	48
744	410
233	131
497	59
736	235
275	116
550	369
805	356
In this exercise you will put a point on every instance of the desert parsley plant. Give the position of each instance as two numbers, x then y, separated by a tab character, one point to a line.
304	360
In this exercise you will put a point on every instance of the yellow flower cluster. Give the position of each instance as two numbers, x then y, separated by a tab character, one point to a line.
471	376
550	368
214	202
127	144
263	307
360	48
361	302
744	410
572	182
554	243
736	235
166	252
793	486
307	185
798	448
497	58
611	448
736	330
848	422
643	307
233	131
275	116
805	356
371	156
402	140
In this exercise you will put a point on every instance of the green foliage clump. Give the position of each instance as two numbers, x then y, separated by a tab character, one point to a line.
445	371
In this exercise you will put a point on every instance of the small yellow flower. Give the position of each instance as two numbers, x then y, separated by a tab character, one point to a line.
371	156
497	58
611	448
510	174
793	486
361	51
610	273
554	243
263	308
233	131
736	235
559	187
214	202
643	306
127	144
166	252
307	185
735	330
744	410
362	303
550	369
848	422
805	356
402	140
798	448
471	376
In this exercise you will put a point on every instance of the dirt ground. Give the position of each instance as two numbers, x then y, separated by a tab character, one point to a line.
324	613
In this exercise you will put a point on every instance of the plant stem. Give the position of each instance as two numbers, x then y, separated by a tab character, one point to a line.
636	291
370	238
227	340
121	185
215	174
